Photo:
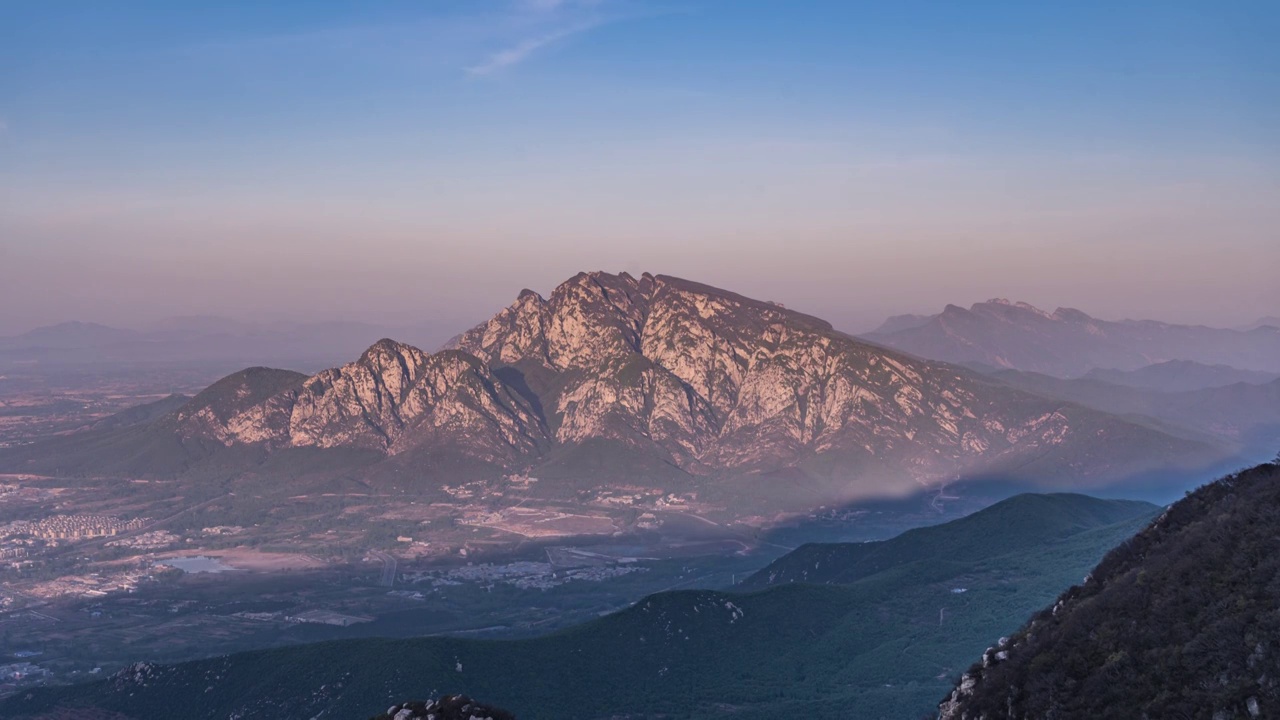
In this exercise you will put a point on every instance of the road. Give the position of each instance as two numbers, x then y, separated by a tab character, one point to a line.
388	568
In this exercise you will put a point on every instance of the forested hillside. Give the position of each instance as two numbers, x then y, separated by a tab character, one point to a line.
1179	622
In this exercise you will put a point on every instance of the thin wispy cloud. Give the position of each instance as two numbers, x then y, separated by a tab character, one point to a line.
535	25
551	5
525	49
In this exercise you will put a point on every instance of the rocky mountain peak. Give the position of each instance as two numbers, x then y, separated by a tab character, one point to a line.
1071	315
209	413
668	377
1009	309
393	398
908	321
595	316
708	380
386	347
394	365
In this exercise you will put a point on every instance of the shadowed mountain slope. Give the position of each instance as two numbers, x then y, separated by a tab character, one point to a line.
1008	526
1180	621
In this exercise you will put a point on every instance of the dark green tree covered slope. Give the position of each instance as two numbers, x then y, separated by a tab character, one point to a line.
1182	621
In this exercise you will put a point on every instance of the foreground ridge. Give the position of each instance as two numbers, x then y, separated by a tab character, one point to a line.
1179	621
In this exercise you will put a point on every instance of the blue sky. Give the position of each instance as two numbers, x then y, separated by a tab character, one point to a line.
426	160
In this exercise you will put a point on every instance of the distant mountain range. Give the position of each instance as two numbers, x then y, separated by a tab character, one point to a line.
650	379
1181	376
1180	621
1246	415
201	340
1269	321
1069	343
881	639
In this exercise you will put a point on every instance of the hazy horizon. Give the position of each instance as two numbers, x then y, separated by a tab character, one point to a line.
440	329
402	163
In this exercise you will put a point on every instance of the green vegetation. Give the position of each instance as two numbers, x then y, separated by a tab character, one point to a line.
1178	622
885	645
1009	527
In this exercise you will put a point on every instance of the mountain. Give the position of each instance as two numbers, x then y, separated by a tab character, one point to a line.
1180	376
882	645
394	399
141	414
898	323
656	380
68	336
137	442
1269	321
1246	415
1069	343
1180	621
1008	526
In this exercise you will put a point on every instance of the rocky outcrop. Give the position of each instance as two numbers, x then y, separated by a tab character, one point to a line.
448	707
394	398
712	381
213	410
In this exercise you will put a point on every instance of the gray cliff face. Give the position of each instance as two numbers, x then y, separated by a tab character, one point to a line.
699	378
216	409
394	398
720	382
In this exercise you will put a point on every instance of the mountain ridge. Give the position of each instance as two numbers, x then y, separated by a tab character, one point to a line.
1181	376
670	378
1068	343
1020	520
1179	621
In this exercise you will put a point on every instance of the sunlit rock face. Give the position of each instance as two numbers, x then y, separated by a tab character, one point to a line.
702	379
717	381
396	397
